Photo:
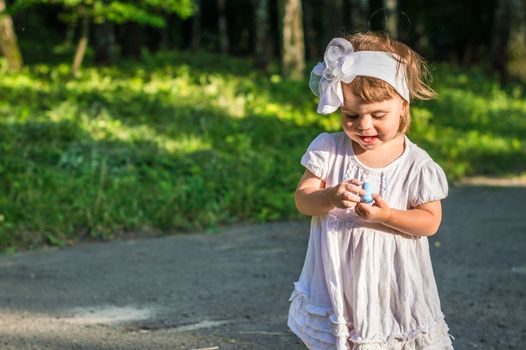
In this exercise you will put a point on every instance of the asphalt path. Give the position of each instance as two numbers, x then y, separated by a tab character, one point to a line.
230	289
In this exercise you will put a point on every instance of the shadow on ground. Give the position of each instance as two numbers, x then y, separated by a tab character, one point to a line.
230	290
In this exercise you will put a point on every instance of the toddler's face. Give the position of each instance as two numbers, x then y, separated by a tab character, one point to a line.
371	125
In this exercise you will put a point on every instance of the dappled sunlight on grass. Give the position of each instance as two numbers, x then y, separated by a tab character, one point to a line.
177	144
105	128
23	83
102	127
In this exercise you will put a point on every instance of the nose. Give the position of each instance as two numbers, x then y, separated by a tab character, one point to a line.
365	122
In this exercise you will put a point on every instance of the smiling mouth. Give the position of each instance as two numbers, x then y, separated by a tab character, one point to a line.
369	139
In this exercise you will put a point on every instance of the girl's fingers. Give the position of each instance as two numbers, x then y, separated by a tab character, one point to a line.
355	189
356	182
344	204
348	204
379	202
353	197
363	209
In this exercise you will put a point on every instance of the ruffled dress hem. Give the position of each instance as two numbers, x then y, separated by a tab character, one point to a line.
319	330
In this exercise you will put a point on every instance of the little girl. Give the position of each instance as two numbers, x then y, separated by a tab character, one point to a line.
367	282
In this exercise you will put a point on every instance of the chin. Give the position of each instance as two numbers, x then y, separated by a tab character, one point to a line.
368	147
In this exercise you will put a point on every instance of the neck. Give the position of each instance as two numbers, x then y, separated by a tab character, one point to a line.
383	155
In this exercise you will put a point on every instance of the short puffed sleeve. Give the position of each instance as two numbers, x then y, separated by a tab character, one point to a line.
317	157
430	184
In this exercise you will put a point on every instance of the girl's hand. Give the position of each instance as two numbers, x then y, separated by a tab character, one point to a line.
347	194
378	212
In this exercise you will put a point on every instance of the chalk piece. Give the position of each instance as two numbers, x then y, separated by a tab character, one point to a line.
367	198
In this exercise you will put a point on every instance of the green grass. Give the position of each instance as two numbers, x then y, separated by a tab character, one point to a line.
188	142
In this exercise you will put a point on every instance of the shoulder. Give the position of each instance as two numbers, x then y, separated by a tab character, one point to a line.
422	166
420	162
426	179
416	156
320	155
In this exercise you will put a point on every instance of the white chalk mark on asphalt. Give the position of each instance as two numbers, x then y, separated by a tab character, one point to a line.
199	325
108	314
519	269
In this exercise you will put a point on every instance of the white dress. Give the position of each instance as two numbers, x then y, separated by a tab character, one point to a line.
364	286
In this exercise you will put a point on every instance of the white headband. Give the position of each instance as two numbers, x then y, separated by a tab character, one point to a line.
343	64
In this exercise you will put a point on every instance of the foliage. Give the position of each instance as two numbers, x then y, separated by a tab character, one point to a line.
147	12
185	142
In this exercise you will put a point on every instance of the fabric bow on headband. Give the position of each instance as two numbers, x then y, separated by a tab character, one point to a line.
343	64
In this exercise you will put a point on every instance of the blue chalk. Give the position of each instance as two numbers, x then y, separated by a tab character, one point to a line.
367	198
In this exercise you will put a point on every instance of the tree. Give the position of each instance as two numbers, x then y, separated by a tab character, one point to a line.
89	12
310	31
508	47
359	10
104	43
196	27
131	34
293	49
222	26
83	42
332	19
391	7
261	24
516	65
8	42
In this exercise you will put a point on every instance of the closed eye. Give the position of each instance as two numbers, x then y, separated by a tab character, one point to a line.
351	116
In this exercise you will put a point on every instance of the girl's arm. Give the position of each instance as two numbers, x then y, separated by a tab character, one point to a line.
313	198
423	220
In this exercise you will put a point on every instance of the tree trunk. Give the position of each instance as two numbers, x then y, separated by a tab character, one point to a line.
422	39
311	35
261	49
104	43
293	49
222	26
500	36
391	25
164	33
8	42
332	20
359	15
508	47
131	39
516	48
196	27
83	43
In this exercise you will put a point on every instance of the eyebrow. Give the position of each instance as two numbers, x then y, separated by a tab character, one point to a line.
348	110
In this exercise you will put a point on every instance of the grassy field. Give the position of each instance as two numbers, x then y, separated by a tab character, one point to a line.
183	142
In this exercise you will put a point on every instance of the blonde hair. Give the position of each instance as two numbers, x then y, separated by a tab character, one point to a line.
369	89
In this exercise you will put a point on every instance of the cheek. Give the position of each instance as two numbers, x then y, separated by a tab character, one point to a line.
346	124
347	128
392	126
